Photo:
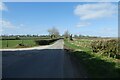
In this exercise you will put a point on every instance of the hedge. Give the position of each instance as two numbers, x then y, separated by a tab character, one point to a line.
106	47
45	42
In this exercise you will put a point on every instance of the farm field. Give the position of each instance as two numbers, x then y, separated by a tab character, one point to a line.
25	42
14	43
97	65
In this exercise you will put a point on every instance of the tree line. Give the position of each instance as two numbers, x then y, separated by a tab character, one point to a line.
53	33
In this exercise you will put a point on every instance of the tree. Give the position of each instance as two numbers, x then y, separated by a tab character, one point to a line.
53	32
66	34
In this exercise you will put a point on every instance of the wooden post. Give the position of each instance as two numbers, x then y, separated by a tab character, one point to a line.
7	43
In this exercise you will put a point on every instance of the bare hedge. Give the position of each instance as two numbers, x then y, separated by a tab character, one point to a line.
106	47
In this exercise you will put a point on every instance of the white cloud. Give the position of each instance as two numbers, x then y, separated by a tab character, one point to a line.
8	27
6	24
95	10
2	6
82	24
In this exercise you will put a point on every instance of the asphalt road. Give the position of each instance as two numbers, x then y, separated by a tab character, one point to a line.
50	62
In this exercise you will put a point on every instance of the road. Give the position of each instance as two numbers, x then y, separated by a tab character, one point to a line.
48	62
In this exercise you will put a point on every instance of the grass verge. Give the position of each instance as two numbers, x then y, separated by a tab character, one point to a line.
98	66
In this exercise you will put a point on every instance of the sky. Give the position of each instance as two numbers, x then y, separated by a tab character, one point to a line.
85	18
61	0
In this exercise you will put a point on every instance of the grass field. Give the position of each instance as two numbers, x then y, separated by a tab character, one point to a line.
97	65
24	42
14	43
25	38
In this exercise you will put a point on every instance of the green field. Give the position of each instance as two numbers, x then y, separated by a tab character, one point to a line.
96	64
14	43
24	38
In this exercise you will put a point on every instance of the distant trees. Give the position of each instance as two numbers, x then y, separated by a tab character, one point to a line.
84	36
53	32
76	36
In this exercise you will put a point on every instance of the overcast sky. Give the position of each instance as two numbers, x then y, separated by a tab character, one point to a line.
86	18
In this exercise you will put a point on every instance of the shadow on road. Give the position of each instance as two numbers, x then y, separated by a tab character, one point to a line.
96	67
46	63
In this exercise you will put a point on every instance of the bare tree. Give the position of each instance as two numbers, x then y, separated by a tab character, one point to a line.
53	32
66	34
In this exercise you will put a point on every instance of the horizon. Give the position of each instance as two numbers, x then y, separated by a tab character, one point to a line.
79	18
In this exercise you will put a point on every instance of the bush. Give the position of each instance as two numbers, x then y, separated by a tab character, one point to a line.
45	42
106	47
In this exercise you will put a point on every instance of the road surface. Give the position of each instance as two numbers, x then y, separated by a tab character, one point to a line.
48	62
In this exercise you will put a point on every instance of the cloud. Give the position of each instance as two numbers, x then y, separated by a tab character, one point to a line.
2	7
95	10
82	24
6	24
9	28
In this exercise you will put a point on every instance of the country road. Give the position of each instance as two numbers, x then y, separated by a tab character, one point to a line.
48	62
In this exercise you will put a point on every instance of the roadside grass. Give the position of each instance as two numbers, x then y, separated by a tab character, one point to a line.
77	45
98	66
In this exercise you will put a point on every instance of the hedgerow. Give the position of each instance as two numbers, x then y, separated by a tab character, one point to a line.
45	42
106	47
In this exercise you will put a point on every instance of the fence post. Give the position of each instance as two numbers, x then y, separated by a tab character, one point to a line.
7	43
